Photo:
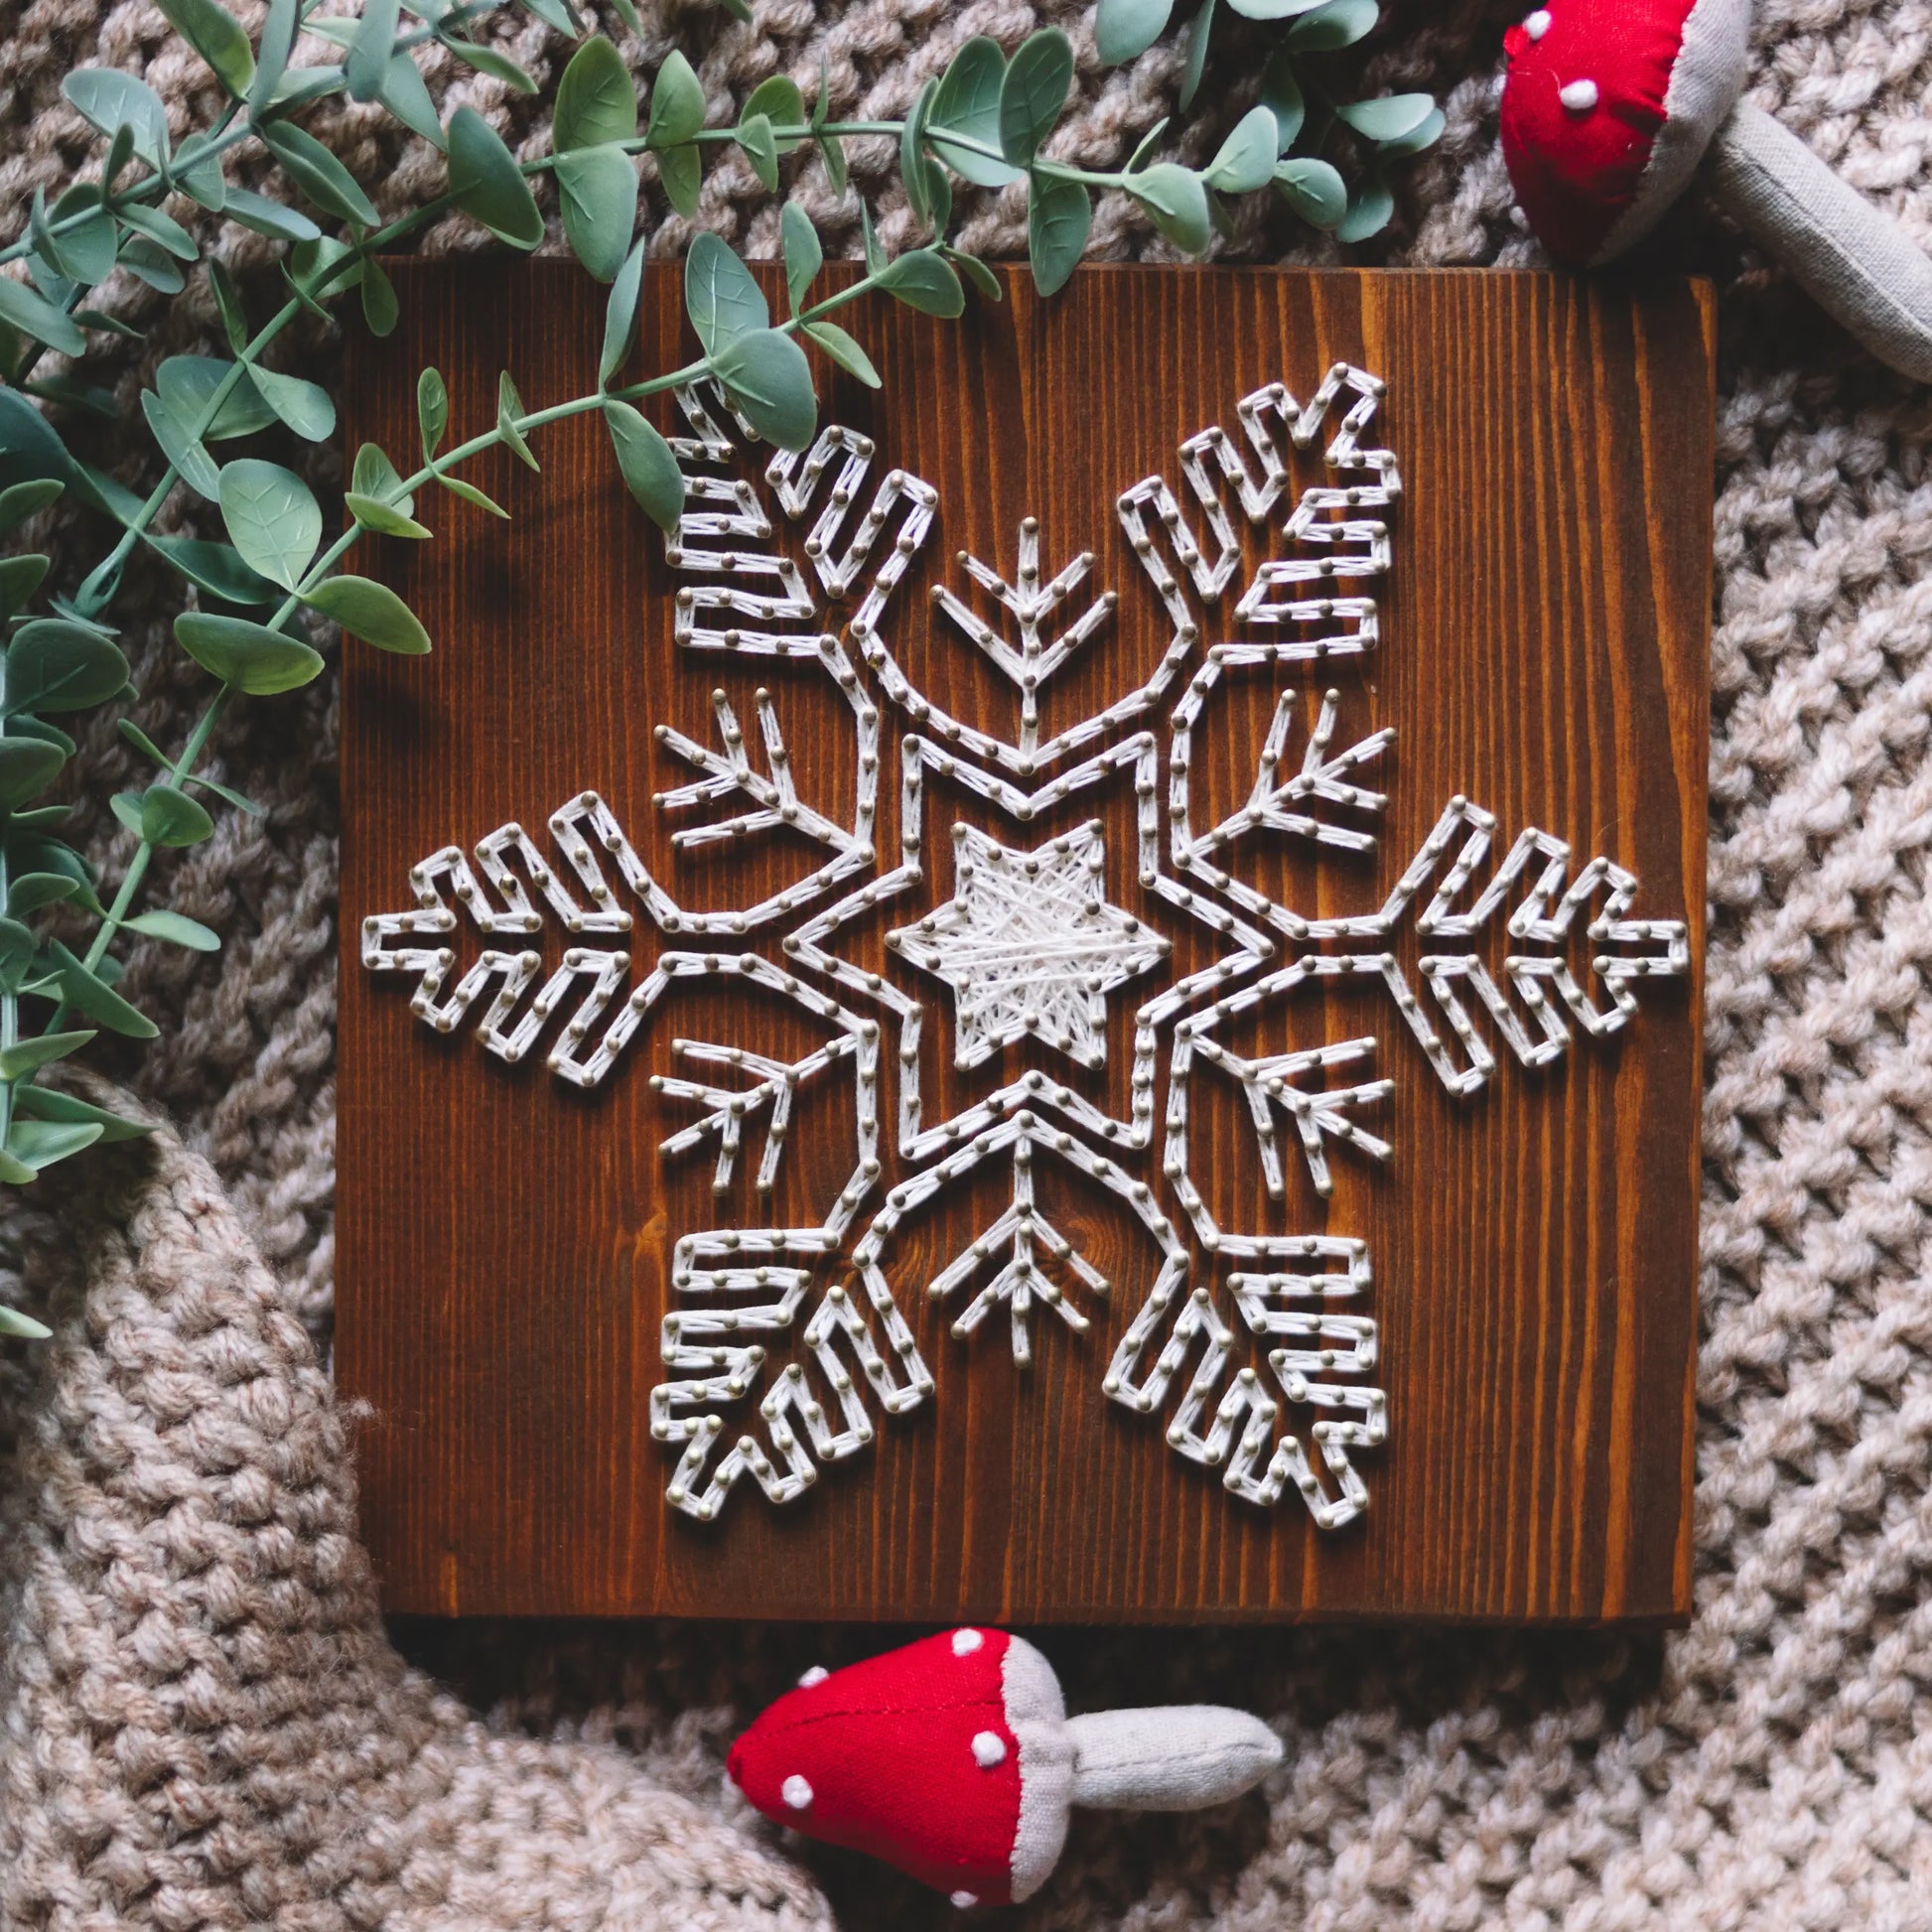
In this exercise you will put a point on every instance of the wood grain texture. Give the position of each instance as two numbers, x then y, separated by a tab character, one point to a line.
505	1240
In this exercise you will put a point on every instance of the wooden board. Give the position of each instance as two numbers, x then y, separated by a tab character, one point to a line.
508	1239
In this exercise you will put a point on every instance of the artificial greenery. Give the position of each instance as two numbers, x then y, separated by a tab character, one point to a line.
984	123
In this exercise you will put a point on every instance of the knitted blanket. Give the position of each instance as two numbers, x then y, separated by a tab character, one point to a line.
204	1722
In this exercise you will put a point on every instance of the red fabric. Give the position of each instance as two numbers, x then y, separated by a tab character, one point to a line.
1575	173
886	1747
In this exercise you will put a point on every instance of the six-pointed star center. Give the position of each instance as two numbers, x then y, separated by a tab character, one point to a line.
1030	944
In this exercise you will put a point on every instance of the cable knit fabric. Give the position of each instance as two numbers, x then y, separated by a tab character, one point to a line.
201	1723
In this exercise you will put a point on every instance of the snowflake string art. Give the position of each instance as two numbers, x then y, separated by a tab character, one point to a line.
786	1341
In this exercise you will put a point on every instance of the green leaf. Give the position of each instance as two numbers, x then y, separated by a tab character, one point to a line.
39	1146
27	765
676	103
216	568
384	519
967	102
844	352
19	501
924	280
1313	189
1058	215
29	1055
720	295
405	95
250	657
510	406
1033	93
20	577
1340	23
432	410
143	744
976	271
172	818
161	230
215	35
620	316
90	996
1176	200
273	518
486	60
371	611
33	889
46	1103
227	299
277	44
269	218
152	265
651	470
485	182
197	174
760	150
120	151
34	315
229	795
56	665
912	168
127	808
375	476
1280	95
1370	206
325	267
188	384
368	54
89	244
191	462
177	929
777	99
1198	30
1124	29
597	188
12	1323
318	173
17	951
597	101
804	255
1247	157
112	325
832	151
304	406
471	494
875	254
681	172
108	99
1424	134
379	307
769	384
1392	117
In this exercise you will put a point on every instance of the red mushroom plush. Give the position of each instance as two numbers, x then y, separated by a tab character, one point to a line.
1610	107
955	1760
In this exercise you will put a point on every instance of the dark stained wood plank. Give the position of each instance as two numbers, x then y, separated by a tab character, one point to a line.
506	1240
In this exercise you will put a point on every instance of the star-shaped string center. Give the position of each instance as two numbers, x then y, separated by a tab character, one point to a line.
1030	945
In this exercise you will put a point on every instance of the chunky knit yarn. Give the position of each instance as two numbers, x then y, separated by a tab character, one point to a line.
201	1723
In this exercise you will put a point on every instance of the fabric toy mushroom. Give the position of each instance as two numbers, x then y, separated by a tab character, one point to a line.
955	1760
1609	108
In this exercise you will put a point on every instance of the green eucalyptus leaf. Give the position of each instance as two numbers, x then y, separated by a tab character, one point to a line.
56	665
406	96
304	406
1371	204
197	174
1246	160
272	58
770	384
20	577
27	765
780	100
1123	29
89	241
227	299
216	568
90	996
649	469
149	264
1058	215
325	267
318	173
371	611
250	657
39	1147
384	519
967	102
1313	189
177	929
924	280
215	35
188	384
379	307
804	255
112	325
470	494
30	1056
432	410
1280	95
375	476
191	462
843	350
21	1327
597	188
487	183
720	295
17	951
510	406
676	103
1199	29
46	1103
30	312
33	889
1392	117
912	168
1424	134
754	137
597	101
681	172
875	254
976	271
120	151
1033	93
23	725
108	99
487	60
272	218
72	394
19	501
368	64
171	818
1177	201
273	518
143	744
832	152
620	316
1337	24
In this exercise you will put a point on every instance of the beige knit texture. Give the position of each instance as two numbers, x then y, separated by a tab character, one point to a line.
200	1723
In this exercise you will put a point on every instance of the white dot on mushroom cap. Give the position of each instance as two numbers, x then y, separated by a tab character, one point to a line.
816	1675
965	1900
796	1792
1535	25
965	1642
988	1748
1580	96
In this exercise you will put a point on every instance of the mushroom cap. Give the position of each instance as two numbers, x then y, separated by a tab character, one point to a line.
948	1758
1608	110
